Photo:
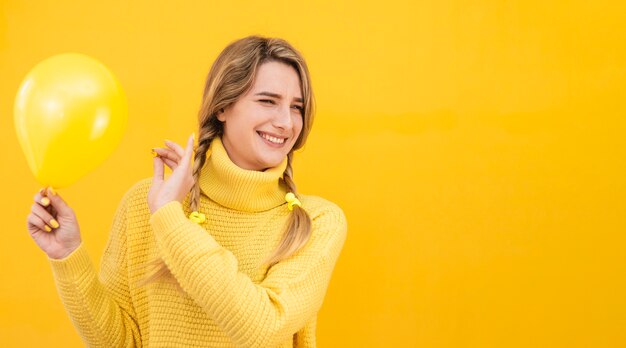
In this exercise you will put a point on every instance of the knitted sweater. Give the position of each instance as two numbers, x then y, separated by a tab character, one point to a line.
226	297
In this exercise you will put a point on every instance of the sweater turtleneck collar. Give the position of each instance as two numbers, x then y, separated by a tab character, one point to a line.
240	189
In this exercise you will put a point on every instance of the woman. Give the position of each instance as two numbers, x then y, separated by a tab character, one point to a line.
224	252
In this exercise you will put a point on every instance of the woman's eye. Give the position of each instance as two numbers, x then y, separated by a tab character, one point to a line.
298	107
267	101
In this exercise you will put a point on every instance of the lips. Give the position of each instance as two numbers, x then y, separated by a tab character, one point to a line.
271	138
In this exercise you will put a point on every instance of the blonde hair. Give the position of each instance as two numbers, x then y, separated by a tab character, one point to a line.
231	76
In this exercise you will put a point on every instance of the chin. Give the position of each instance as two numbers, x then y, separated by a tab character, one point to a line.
271	164
266	163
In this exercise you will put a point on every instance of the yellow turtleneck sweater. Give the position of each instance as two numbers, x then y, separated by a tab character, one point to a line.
230	299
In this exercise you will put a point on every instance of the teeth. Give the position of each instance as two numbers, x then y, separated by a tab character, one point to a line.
273	139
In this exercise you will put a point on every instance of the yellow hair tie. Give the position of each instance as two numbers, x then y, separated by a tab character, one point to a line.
197	217
292	200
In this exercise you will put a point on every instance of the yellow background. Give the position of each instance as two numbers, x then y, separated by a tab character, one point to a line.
475	146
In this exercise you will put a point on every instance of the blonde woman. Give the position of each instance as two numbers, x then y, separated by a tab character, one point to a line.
223	252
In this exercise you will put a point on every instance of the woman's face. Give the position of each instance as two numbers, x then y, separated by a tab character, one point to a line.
261	127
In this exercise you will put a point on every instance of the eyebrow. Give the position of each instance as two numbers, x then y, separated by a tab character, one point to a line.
277	96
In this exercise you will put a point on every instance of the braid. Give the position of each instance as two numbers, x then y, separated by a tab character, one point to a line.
204	141
298	228
287	178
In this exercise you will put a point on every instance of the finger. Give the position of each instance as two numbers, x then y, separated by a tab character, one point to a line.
158	170
39	198
177	148
59	204
167	153
171	164
35	221
43	214
186	159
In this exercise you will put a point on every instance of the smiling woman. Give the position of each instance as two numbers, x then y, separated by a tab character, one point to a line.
224	252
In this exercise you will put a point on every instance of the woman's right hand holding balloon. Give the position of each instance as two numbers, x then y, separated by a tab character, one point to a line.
53	226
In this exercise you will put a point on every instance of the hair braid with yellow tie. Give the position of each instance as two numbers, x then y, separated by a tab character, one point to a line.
231	75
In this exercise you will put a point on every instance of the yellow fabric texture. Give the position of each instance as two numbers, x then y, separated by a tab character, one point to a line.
219	294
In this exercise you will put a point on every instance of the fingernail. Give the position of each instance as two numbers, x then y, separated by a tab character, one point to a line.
45	201
54	223
51	191
154	153
47	228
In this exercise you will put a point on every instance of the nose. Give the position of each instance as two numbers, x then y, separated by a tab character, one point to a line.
282	118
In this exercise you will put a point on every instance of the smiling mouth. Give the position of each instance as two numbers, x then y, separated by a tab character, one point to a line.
272	139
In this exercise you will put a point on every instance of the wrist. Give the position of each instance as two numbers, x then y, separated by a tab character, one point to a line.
62	253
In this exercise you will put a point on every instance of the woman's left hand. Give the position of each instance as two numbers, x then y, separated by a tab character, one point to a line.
177	185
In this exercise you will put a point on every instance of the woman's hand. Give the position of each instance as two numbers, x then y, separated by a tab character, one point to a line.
52	225
177	185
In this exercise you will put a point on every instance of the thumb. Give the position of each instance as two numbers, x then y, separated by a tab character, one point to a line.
158	170
58	203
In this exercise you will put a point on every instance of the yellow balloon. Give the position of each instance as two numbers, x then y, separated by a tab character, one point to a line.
70	114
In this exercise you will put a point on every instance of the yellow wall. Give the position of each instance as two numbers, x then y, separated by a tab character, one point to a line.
475	146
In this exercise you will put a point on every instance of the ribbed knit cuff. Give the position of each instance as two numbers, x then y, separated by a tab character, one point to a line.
73	265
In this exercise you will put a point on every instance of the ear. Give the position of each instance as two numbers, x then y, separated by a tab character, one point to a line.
221	116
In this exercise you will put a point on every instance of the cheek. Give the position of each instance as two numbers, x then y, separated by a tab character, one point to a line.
297	124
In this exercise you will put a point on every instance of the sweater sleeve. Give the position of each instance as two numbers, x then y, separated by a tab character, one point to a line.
252	315
99	307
